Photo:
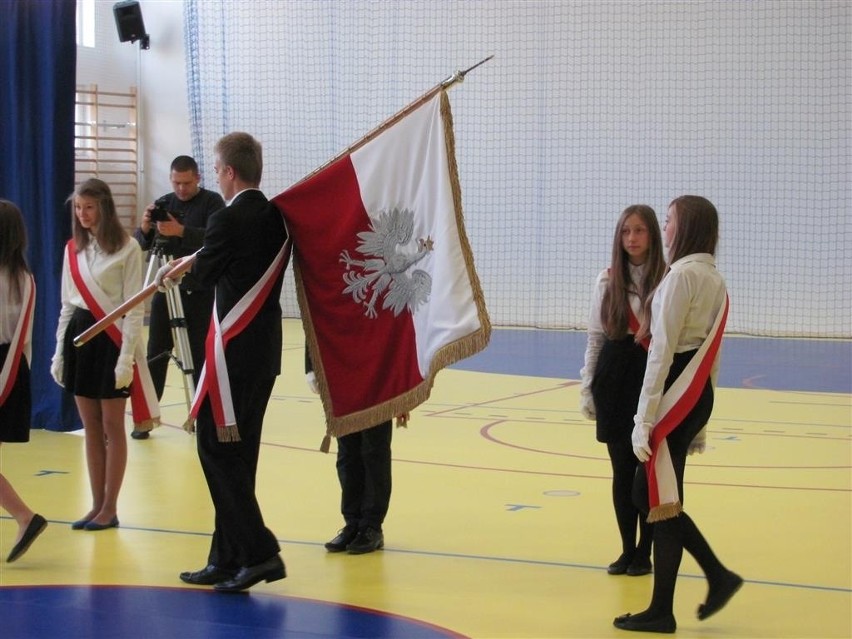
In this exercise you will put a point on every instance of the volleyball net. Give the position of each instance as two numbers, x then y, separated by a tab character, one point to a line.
586	108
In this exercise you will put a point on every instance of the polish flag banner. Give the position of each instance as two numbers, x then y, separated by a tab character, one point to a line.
384	271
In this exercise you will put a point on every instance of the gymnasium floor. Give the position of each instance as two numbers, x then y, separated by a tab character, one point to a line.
500	523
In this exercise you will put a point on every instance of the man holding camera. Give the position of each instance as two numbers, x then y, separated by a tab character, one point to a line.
173	227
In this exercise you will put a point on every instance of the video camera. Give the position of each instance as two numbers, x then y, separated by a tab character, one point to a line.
160	212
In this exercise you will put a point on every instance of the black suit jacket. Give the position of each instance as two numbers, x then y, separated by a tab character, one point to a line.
240	243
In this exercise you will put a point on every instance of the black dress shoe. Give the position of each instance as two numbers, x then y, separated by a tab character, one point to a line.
367	540
207	576
620	565
720	595
140	434
34	529
345	536
270	570
641	623
639	567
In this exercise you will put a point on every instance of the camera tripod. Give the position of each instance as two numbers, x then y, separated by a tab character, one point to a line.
181	353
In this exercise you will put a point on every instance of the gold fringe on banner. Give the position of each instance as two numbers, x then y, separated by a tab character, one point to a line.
338	426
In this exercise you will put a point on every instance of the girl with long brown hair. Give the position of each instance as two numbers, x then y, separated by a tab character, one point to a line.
688	314
615	364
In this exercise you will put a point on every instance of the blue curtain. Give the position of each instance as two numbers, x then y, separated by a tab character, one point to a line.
38	69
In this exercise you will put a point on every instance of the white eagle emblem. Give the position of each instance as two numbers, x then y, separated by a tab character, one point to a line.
385	267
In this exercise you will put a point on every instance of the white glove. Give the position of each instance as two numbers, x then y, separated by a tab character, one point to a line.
124	371
311	379
587	404
640	438
57	367
166	283
698	443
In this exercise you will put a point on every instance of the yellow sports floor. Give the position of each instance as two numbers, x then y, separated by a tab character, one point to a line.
501	523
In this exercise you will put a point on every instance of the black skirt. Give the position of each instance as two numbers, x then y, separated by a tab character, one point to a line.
90	369
616	387
16	411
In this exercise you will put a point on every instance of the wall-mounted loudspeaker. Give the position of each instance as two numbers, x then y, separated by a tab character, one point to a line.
128	21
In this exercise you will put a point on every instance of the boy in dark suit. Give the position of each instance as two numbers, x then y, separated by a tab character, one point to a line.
245	244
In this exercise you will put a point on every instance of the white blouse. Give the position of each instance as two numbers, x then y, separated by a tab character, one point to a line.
119	276
10	312
683	311
595	336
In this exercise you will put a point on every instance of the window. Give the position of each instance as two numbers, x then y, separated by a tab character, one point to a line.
86	23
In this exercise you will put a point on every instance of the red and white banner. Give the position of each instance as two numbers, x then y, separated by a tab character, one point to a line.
384	271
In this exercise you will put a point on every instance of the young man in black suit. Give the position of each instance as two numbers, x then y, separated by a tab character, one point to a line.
244	244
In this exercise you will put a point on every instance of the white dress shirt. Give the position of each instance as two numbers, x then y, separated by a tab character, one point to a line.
683	311
10	312
595	336
119	276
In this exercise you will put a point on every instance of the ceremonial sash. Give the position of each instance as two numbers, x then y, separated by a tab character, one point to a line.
214	381
23	333
675	405
633	324
633	319
143	396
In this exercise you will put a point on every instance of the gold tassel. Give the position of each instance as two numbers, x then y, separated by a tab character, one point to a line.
147	425
228	434
402	420
665	511
325	446
189	424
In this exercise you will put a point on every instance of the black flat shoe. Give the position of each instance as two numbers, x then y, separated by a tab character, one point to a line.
619	566
140	434
270	570
207	576
345	536
34	529
94	526
637	568
80	524
720	595
638	623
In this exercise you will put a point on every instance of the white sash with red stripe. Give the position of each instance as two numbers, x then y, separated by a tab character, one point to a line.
22	337
143	396
675	405
214	381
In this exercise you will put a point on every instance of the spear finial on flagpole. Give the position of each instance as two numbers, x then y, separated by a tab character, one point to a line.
458	76
455	78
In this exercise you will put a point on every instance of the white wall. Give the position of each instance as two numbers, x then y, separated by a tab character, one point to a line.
159	73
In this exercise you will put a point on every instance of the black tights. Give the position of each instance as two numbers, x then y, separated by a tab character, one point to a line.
627	515
672	536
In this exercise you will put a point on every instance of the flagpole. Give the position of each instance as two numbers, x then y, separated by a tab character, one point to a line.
111	318
454	79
